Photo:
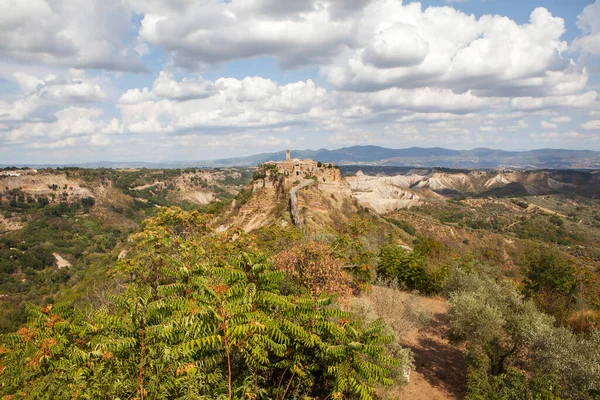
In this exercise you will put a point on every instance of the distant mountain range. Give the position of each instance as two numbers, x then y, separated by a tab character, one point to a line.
480	158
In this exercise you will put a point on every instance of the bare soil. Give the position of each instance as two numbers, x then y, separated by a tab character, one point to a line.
440	368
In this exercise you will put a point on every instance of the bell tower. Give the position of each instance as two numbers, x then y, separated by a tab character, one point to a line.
287	155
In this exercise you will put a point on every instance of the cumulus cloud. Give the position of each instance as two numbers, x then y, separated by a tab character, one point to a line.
389	69
199	33
71	126
428	100
75	87
581	101
74	33
589	23
401	45
553	136
548	125
368	45
230	103
398	45
591	125
561	120
256	103
448	127
187	89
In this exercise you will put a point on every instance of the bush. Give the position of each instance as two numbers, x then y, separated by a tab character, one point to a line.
550	280
521	203
88	201
410	269
313	266
515	351
556	220
405	226
243	197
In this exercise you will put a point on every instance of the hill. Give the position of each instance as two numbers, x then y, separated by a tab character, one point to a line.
381	156
61	229
438	157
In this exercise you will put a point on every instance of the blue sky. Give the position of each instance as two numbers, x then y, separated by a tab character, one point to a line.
190	80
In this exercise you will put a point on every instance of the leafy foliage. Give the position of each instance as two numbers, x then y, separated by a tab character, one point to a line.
196	321
515	350
313	266
414	269
555	283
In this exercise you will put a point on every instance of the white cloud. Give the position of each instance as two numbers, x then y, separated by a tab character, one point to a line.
491	56
554	136
393	70
519	125
589	23
583	101
591	125
446	126
75	87
437	116
187	89
256	103
429	100
198	33
71	126
230	104
548	125
561	120
73	33
372	44
396	46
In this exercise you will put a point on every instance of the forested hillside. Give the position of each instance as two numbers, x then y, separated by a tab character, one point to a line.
61	229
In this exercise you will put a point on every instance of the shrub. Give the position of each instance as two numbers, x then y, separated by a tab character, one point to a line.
405	226
556	220
313	266
515	351
243	197
550	280
521	203
410	269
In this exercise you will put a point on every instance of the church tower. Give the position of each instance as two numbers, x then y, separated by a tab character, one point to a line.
287	155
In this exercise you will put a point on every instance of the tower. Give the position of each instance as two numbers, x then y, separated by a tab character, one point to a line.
287	155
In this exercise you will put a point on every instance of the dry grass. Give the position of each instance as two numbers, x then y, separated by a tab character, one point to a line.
400	310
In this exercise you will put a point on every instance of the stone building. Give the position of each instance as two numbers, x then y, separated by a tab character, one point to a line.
296	169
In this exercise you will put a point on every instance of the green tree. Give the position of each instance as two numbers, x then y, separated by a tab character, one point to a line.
412	269
550	280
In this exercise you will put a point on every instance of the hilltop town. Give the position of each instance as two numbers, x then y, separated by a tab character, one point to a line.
295	168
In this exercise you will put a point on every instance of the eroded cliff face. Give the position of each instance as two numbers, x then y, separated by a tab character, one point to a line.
388	193
326	204
261	203
331	200
318	203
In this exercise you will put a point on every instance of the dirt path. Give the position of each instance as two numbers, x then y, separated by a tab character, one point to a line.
440	368
440	371
294	201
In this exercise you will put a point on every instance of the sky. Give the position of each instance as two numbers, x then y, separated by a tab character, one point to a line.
184	80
